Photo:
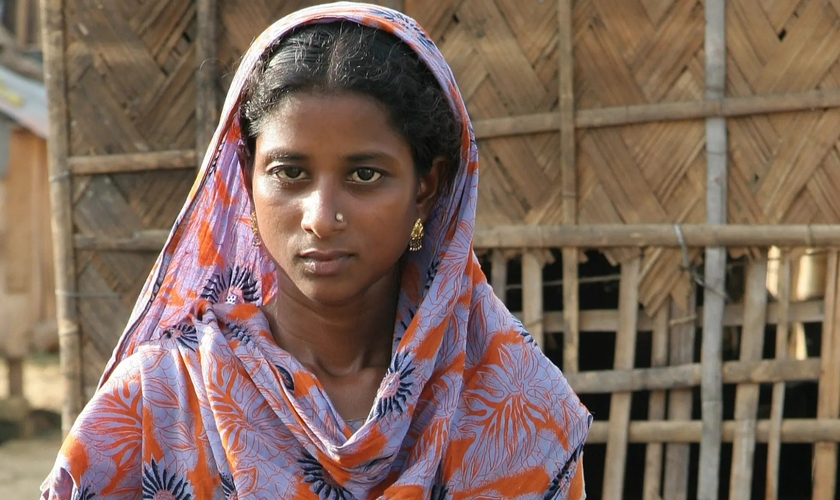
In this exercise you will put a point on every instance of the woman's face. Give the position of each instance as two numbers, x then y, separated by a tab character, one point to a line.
320	155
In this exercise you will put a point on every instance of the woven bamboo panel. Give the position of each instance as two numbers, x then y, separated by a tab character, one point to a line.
785	168
504	57
130	89
634	52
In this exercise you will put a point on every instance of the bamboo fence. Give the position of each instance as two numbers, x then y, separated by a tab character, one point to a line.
672	136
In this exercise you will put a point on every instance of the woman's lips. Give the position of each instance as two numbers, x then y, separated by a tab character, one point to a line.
325	262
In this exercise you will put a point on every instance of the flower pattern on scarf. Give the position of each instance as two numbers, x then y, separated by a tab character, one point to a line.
563	477
162	485
396	387
321	483
228	486
237	285
83	493
287	378
240	333
184	334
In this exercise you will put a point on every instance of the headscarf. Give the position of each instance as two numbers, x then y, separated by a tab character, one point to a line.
198	398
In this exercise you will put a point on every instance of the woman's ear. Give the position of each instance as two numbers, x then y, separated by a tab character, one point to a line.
429	187
246	163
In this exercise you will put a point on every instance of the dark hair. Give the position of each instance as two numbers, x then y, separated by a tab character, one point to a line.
349	57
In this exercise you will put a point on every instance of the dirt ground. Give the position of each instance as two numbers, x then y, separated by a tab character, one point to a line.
24	463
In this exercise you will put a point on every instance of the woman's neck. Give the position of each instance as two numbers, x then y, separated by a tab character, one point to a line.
336	340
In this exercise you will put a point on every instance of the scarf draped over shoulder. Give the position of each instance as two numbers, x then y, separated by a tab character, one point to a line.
199	402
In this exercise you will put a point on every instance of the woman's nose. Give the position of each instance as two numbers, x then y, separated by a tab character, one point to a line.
319	212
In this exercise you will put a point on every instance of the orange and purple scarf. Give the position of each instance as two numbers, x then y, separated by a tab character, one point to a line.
199	402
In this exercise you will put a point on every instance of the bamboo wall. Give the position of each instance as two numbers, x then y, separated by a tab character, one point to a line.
672	136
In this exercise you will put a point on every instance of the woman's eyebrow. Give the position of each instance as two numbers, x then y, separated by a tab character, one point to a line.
282	154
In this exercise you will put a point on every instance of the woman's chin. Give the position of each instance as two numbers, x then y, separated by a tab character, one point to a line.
326	294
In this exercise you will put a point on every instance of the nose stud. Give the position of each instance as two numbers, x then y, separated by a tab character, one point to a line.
339	217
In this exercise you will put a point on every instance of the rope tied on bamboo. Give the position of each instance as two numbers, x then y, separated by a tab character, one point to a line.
690	268
59	177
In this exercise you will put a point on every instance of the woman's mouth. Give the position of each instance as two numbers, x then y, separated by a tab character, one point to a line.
325	262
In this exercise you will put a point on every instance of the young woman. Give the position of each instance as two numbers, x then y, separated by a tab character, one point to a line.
317	325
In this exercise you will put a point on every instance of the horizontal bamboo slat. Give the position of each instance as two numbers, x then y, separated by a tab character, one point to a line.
132	162
656	235
585	236
665	111
678	377
798	430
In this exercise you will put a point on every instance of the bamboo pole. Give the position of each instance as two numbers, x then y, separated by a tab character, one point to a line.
798	430
606	320
22	12
568	188
619	235
663	111
132	162
206	92
499	274
625	353
61	217
774	442
571	311
746	395
715	261
713	234
690	375
828	403
532	295
680	400
656	406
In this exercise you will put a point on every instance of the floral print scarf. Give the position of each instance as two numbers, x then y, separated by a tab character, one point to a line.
199	402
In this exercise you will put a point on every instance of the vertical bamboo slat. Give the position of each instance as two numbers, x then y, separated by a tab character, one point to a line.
774	443
498	263
571	311
828	403
656	406
683	318
715	263
746	397
206	109
532	295
625	352
61	203
571	289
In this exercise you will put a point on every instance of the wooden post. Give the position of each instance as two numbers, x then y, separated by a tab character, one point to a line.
715	262
683	331
499	262
532	295
774	443
828	403
746	395
568	187
52	15
656	406
206	77
625	353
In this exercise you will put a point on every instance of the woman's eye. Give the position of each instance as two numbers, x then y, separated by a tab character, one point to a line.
288	173
364	175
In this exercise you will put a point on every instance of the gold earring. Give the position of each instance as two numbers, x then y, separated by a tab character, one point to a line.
416	241
257	241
